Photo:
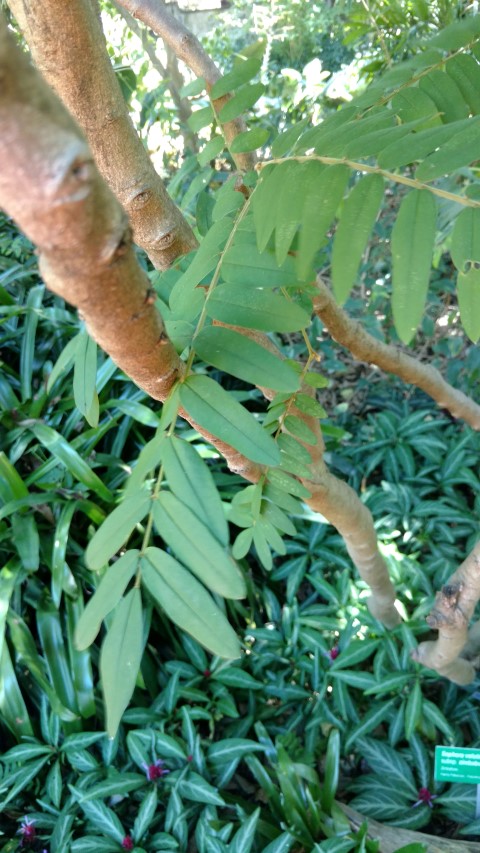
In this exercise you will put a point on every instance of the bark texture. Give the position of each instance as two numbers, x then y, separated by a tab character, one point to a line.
50	185
365	347
68	46
454	606
188	48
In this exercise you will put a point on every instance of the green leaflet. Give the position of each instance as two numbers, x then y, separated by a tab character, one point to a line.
211	150
59	550
250	140
200	118
26	540
465	245
50	631
251	269
445	94
109	592
187	603
460	150
468	292
295	179
413	103
264	202
236	354
412	248
357	218
65	453
189	478
63	362
245	98
120	658
325	192
256	309
85	378
417	146
216	410
196	547
243	72
185	300
464	70
116	529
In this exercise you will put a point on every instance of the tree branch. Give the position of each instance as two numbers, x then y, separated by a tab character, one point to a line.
188	48
50	185
451	614
169	73
68	46
365	347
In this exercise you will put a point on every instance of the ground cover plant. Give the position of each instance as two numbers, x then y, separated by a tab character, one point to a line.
120	518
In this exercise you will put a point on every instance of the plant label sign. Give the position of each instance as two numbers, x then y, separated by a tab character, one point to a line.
456	764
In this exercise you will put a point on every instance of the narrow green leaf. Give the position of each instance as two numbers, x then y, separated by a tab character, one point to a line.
120	658
309	406
357	219
189	478
459	150
256	309
100	816
12	705
236	747
370	721
243	839
201	118
243	72
387	762
211	150
51	637
295	179
331	771
196	547
244	99
464	70
356	652
468	292
320	206
85	375
198	790
109	592
412	241
413	710
264	203
65	453
116	529
146	464
244	358
64	362
465	245
185	299
250	140
288	484
249	268
12	486
417	146
187	603
300	429
413	103
59	550
242	543
26	540
215	410
286	140
445	94
145	815
27	346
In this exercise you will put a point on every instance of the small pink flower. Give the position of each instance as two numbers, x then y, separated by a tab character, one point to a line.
27	831
189	757
127	843
334	653
206	673
156	770
425	797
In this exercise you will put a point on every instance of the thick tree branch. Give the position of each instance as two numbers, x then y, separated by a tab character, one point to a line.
68	46
50	185
363	346
451	614
188	48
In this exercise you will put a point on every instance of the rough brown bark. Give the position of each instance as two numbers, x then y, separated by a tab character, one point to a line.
365	347
451	614
50	185
68	46
188	48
